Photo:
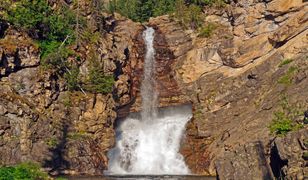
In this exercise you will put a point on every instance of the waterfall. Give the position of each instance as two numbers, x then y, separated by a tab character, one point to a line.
148	93
149	143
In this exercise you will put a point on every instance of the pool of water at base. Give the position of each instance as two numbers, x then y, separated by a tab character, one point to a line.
143	177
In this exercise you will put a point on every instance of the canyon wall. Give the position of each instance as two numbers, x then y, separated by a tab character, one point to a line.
67	132
237	80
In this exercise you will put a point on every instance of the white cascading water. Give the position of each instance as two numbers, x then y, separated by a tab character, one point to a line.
150	145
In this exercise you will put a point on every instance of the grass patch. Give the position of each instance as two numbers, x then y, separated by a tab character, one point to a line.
207	30
61	178
283	121
67	101
29	171
287	79
52	142
77	135
198	114
285	62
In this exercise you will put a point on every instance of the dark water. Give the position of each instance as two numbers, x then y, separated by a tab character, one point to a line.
144	177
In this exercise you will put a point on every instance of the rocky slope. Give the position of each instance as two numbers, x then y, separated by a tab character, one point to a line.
40	120
235	79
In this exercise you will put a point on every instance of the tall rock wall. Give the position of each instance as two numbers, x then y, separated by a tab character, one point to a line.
41	120
234	79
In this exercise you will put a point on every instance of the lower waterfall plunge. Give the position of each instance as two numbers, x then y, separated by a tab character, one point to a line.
149	143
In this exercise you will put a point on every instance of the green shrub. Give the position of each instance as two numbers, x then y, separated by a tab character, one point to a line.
48	47
207	31
188	16
285	62
38	19
287	78
30	171
49	27
281	124
283	121
77	135
29	14
99	82
71	78
61	25
142	10
51	142
56	60
67	100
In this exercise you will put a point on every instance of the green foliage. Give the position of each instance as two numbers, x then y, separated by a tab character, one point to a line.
285	62
142	10
207	30
198	113
4	6
38	19
188	16
48	47
29	14
55	58
61	178
281	124
51	142
28	171
207	2
283	121
67	100
50	27
61	25
77	135
97	81
90	36
71	78
287	78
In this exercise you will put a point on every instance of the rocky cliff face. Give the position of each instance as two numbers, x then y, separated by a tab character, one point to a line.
40	120
234	79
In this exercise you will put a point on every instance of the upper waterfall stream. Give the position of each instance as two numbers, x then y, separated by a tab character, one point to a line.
149	143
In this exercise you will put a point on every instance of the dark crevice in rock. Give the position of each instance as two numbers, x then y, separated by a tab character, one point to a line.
3	61
57	161
18	68
277	163
126	53
269	17
3	28
262	160
252	76
277	44
109	24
